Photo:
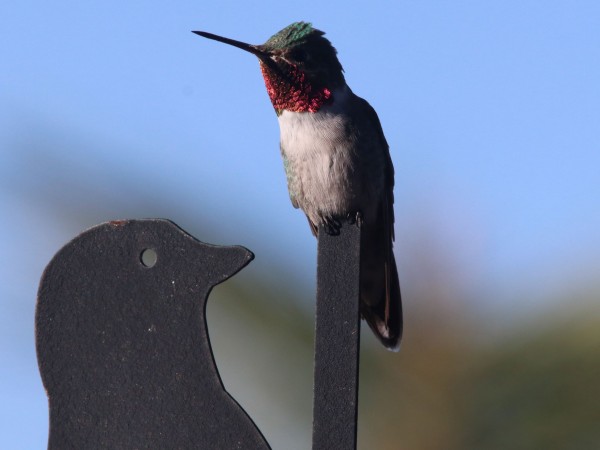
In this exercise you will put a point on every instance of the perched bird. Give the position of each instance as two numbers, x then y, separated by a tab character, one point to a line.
336	159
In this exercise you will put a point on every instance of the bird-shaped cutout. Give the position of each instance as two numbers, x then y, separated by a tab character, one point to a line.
123	346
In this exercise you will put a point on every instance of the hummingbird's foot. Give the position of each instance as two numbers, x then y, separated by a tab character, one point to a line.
331	226
355	218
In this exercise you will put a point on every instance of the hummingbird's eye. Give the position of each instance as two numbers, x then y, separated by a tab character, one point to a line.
298	55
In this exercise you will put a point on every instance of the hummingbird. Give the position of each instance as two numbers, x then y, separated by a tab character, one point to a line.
336	159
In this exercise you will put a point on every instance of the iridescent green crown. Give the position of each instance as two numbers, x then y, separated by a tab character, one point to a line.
292	35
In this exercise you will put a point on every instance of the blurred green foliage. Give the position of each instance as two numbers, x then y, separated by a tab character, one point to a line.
447	388
538	391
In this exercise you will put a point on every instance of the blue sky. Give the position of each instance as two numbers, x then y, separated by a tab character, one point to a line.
491	110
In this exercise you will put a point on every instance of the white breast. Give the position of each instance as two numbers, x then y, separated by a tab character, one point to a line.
316	148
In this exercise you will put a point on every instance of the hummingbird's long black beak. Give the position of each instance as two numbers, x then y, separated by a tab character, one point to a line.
254	49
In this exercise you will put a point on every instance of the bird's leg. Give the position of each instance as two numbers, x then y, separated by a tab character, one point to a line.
355	218
359	219
331	226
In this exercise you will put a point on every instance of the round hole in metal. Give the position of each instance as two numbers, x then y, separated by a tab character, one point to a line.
148	257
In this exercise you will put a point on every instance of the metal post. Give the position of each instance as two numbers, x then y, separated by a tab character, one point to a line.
337	340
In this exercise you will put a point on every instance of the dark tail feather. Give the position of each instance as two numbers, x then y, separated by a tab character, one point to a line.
381	304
